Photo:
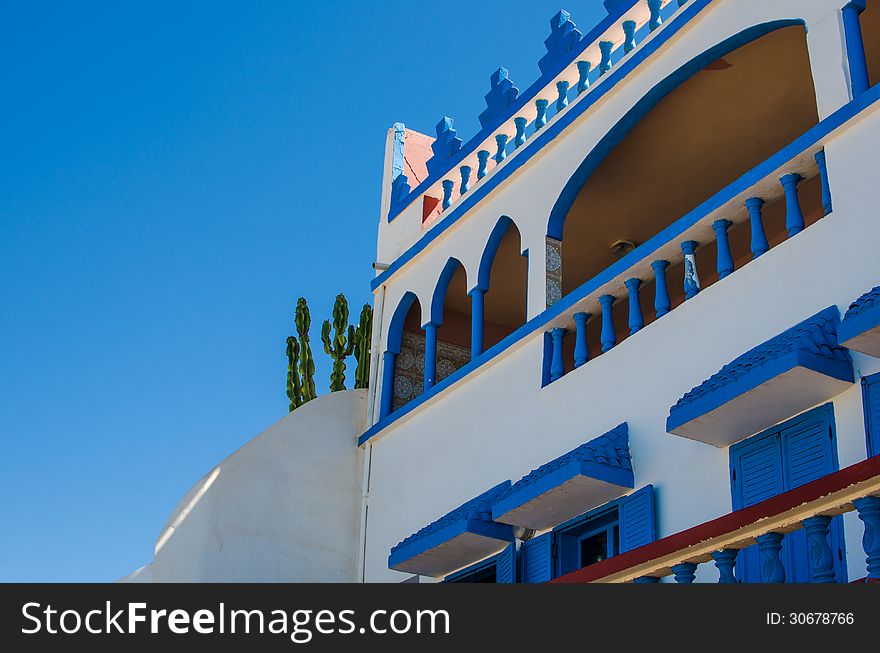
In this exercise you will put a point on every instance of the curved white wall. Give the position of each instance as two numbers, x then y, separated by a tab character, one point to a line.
283	508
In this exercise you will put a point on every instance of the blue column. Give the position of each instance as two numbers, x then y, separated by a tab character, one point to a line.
662	304
465	178
448	185
654	7
725	258
477	303
520	138
770	544
820	557
760	245
387	401
691	278
646	579
823	178
725	560
794	218
869	513
855	47
501	142
629	32
541	117
430	354
557	367
686	572
583	76
636	321
607	337
483	159
605	63
562	90
581	351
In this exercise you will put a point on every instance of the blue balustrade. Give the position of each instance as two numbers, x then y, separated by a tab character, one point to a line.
541	116
794	217
823	178
501	142
685	573
725	561
654	21
581	350
448	186
557	366
562	91
465	179
482	163
607	337
636	321
662	303
584	68
691	278
820	557
770	546
629	38
755	205
605	47
869	513
725	258
855	47
520	137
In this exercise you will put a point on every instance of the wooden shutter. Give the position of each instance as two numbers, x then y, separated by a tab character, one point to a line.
505	565
537	559
637	525
871	398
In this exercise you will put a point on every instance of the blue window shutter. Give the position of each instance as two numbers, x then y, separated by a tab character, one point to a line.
537	556
756	470
505	565
807	448
871	398
637	525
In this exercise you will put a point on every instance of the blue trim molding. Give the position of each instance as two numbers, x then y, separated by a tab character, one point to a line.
588	476
419	553
860	328
811	345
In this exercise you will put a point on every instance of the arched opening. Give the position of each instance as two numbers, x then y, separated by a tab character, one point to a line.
404	360
451	314
503	282
689	137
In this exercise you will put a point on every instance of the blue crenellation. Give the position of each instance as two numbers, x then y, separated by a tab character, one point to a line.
564	36
500	96
444	147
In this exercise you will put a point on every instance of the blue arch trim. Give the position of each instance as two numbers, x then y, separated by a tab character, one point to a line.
488	258
617	133
395	329
439	296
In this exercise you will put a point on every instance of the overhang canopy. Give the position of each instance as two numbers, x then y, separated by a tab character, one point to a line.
860	328
582	479
789	373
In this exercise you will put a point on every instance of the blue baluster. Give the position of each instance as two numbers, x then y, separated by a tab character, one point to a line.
557	367
794	217
608	338
725	560
691	278
541	117
869	513
448	185
629	31
581	351
855	47
770	545
646	579
562	90
820	557
823	178
636	321
389	358
430	354
685	572
501	141
655	21
483	163
477	303
520	137
662	303
583	76
465	178
725	258
760	245
605	64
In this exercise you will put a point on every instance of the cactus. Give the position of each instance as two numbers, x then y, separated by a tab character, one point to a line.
306	359
342	344
294	382
362	336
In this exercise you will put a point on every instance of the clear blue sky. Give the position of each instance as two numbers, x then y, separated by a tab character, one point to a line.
173	176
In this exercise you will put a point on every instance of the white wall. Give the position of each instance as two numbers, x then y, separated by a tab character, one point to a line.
284	507
499	424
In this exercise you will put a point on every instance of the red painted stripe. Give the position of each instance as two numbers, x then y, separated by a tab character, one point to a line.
834	482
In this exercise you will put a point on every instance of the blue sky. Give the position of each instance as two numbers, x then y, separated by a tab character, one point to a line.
173	176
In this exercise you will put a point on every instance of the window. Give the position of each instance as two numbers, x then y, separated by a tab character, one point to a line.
871	400
589	539
497	569
780	459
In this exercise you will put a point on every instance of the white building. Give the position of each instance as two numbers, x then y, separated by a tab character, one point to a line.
530	415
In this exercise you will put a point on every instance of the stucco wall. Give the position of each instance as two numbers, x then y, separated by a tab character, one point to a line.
284	507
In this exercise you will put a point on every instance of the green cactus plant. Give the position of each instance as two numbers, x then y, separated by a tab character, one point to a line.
342	344
362	336
303	322
294	381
